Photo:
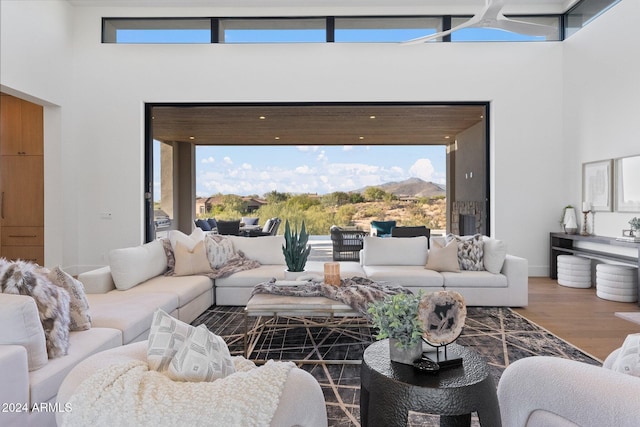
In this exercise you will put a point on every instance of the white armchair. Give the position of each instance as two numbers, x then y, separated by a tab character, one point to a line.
544	391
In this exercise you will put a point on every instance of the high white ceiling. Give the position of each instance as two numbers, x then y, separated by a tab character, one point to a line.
435	7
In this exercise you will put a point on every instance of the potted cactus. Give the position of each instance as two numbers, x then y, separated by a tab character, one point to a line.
295	248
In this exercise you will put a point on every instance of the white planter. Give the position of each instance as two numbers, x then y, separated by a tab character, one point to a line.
406	356
293	275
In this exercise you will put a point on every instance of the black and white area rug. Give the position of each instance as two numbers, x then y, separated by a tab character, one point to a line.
499	335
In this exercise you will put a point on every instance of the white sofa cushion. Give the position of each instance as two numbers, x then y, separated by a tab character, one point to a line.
495	252
474	279
131	266
406	275
21	326
395	251
267	250
197	235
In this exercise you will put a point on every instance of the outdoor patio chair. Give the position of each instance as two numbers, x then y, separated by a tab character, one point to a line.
270	228
412	231
382	228
346	244
229	227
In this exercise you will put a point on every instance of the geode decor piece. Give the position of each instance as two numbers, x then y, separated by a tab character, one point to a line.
442	314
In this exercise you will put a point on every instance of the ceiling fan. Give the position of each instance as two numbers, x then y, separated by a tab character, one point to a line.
491	16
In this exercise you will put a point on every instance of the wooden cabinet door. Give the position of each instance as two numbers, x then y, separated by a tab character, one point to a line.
21	127
22	185
10	125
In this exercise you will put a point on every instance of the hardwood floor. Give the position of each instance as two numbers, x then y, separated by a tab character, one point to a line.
578	316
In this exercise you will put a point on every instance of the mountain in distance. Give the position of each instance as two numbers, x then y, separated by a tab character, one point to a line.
412	187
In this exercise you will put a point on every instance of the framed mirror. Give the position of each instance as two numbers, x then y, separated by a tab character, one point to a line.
627	184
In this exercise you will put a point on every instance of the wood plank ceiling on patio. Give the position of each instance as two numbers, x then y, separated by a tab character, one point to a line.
317	124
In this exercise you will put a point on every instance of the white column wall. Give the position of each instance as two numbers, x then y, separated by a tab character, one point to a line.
602	101
36	65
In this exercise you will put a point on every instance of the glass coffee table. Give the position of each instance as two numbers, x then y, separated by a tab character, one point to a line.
389	390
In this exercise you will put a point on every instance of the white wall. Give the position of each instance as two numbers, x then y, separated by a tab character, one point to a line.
602	101
36	64
111	83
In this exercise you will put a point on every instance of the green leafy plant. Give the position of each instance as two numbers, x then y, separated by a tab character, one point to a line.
635	223
396	316
295	248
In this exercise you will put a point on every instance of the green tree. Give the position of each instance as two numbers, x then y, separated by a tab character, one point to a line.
275	197
374	194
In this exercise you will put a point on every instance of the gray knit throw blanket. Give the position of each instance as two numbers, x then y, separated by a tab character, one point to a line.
357	292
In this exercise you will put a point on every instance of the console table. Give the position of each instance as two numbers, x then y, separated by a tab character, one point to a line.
562	243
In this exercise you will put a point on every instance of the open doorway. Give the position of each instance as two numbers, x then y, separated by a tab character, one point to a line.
184	129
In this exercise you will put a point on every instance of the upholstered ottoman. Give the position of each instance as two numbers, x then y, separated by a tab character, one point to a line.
574	271
617	282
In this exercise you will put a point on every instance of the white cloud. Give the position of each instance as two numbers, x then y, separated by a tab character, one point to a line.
347	148
228	160
209	159
304	170
247	166
423	169
307	147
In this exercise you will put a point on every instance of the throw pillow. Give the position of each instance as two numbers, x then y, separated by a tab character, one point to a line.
203	224
470	251
249	220
204	356
495	252
443	259
628	360
219	250
21	278
197	235
168	253
166	336
191	261
212	223
79	314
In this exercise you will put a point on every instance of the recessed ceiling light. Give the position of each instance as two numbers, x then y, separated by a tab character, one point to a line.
262	117
277	137
192	137
361	137
447	137
372	117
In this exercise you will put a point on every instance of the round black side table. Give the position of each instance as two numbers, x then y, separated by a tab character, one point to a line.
389	390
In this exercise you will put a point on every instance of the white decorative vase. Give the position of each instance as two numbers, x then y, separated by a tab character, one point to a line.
570	221
401	355
293	275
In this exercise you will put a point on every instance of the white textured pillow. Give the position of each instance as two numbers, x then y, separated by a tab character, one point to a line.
79	314
395	250
443	259
628	360
219	250
132	266
166	336
267	250
204	356
21	326
197	235
190	262
495	252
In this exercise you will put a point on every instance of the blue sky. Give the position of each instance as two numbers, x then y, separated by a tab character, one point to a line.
258	170
312	169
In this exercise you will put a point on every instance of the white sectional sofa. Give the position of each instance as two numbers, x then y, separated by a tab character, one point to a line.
124	296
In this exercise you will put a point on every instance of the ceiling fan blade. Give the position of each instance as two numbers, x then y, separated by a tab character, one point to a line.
523	27
474	20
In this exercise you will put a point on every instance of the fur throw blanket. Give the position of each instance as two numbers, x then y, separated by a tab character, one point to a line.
25	278
357	292
130	394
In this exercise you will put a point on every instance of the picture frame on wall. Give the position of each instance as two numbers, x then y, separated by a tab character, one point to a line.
627	184
597	184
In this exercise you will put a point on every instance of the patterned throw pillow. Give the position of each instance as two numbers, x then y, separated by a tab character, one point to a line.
204	356
470	251
171	259
79	314
166	336
23	278
191	261
219	250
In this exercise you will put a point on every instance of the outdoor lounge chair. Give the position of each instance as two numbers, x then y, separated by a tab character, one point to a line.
346	244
